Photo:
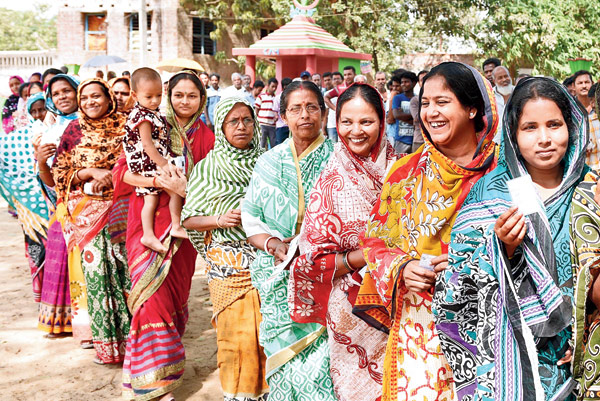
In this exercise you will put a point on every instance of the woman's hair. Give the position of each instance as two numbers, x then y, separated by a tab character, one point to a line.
297	85
190	77
460	80
22	87
367	93
536	88
38	84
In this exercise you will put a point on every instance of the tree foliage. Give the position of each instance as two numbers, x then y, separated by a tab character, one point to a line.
538	34
27	30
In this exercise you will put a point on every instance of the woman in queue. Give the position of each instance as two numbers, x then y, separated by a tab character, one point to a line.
326	278
297	366
82	173
212	218
505	300
406	240
60	311
161	281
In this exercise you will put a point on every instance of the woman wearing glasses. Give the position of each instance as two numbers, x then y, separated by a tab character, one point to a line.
297	366
212	219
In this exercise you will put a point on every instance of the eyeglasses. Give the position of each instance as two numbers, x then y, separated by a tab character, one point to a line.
310	108
248	122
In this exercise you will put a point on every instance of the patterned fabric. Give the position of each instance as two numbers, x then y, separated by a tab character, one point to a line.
339	208
593	150
10	107
161	282
585	251
274	204
138	160
218	182
414	215
495	354
99	281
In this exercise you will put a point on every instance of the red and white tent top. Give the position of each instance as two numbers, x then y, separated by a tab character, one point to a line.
300	36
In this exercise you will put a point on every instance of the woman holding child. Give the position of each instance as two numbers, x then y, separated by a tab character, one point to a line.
82	173
162	280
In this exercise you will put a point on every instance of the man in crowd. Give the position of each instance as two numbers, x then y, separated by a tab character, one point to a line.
391	128
488	67
305	76
282	131
380	81
267	116
256	90
582	81
247	83
349	74
213	95
504	87
327	83
401	111
236	88
593	149
329	123
414	112
569	83
316	78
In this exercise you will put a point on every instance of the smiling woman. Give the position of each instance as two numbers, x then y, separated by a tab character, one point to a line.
412	220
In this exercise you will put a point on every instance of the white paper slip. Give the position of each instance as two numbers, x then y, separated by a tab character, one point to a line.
425	261
291	254
524	195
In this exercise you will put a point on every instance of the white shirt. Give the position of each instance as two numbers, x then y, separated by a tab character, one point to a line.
231	91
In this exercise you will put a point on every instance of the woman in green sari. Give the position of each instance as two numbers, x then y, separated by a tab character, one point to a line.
297	366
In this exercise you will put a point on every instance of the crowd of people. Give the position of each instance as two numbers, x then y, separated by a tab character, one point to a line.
433	236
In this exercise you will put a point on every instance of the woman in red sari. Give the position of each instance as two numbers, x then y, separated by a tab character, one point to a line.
161	282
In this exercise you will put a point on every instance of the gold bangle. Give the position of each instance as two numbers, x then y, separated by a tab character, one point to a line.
219	225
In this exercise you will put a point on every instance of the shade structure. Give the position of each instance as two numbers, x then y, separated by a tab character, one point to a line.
102	60
300	45
178	64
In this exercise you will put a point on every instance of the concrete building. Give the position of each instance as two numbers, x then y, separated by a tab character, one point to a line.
87	28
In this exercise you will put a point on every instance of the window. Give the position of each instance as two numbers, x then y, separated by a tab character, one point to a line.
95	32
265	31
134	31
201	41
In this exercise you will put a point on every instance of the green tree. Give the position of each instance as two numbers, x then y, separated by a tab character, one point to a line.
26	30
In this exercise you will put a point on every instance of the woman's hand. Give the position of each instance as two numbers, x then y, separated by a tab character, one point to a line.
565	359
440	263
172	179
280	248
511	229
232	218
419	279
45	152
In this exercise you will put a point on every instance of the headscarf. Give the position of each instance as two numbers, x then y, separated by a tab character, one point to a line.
130	102
338	210
10	106
219	181
99	143
178	133
526	301
50	106
34	98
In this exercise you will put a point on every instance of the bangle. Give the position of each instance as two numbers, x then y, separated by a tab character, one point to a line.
345	261
218	224
77	175
266	244
154	182
46	170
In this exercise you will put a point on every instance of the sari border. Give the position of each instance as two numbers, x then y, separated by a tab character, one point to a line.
283	356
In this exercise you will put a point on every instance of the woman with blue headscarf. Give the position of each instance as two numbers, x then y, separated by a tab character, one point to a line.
20	188
55	314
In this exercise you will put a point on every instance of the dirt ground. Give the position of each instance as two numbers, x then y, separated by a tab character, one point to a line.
35	368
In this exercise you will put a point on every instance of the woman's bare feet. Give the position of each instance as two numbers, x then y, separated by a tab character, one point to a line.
167	397
153	243
178	232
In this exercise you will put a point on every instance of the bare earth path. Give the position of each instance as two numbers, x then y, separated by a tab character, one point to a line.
35	368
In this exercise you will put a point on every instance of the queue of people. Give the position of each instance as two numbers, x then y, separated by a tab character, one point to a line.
374	249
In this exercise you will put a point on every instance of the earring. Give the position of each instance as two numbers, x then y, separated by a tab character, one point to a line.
472	115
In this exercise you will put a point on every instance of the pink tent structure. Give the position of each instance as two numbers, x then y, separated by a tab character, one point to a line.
301	45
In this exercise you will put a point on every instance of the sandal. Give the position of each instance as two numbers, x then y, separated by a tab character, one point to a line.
87	344
98	361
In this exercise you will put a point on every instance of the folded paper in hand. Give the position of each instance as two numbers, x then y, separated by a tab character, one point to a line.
524	195
291	254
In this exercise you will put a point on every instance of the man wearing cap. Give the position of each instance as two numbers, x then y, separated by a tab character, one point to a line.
305	76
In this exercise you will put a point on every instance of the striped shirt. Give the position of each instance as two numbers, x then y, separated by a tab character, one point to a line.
266	114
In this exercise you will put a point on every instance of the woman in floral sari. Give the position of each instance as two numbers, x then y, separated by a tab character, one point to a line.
325	278
11	104
162	281
21	189
212	217
297	366
86	155
411	221
57	314
504	304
